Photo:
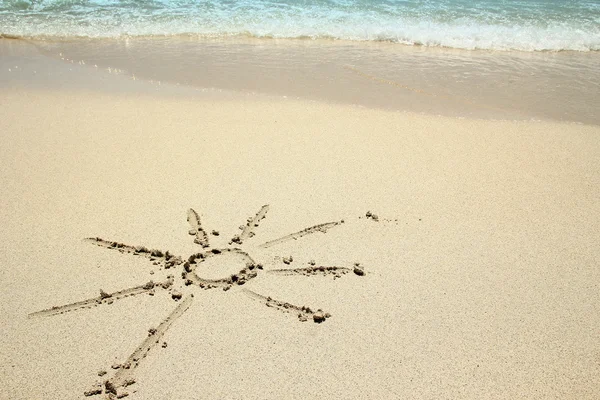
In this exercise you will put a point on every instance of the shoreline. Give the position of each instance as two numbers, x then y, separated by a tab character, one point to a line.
307	39
459	83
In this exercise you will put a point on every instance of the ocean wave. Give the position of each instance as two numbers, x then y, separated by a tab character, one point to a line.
518	25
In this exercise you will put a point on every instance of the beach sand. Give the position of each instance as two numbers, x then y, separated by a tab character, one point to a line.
481	275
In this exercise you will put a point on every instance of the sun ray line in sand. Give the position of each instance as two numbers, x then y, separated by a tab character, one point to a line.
197	229
304	313
337	272
296	235
124	376
104	298
164	258
251	224
178	286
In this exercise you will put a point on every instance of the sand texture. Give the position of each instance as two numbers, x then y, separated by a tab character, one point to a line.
164	247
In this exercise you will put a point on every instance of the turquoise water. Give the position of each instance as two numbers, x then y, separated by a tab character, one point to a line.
526	25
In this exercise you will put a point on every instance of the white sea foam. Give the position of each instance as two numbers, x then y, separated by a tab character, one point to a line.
531	25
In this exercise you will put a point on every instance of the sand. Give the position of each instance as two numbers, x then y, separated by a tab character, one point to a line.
478	277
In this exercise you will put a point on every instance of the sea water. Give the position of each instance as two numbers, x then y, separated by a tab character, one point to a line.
525	25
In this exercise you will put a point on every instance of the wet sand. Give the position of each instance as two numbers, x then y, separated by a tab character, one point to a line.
476	243
561	86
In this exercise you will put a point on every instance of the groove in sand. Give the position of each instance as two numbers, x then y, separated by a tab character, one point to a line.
308	271
163	257
304	313
104	298
296	235
196	228
248	230
124	375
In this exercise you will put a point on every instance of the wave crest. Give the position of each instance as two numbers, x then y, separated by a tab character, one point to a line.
441	25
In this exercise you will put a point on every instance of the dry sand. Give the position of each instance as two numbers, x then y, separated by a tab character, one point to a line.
481	272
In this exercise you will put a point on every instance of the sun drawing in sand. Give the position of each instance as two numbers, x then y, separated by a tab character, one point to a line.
114	387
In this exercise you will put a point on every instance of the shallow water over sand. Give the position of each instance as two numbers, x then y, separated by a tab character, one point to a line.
482	84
